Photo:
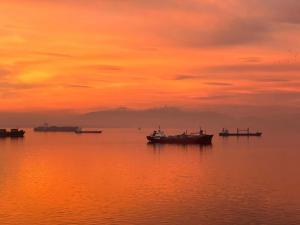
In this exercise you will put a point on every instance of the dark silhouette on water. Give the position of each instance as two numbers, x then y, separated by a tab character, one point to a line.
192	146
193	138
80	131
239	132
13	133
47	128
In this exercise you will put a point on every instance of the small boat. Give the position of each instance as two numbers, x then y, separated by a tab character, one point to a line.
80	131
193	138
239	132
13	133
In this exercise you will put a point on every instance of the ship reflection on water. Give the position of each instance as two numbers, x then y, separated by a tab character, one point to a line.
186	147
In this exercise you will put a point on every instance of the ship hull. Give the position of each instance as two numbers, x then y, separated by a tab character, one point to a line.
56	129
19	134
88	132
12	134
240	135
203	139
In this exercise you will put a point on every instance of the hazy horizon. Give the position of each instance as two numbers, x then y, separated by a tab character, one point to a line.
265	119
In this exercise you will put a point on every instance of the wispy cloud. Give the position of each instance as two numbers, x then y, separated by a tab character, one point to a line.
185	77
77	86
218	83
4	72
251	59
274	68
53	54
102	67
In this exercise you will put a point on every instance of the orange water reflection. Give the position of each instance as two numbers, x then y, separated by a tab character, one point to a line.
116	178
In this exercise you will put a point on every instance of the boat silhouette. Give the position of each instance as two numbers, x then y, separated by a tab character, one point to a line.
13	133
239	132
158	136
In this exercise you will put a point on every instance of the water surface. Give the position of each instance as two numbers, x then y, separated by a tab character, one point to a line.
117	178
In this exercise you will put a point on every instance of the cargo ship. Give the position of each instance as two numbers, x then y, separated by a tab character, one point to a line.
80	131
158	136
13	133
47	128
239	132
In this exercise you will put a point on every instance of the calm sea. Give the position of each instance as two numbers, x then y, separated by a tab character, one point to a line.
116	178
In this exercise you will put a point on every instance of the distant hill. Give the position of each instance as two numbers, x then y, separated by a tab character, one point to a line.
167	117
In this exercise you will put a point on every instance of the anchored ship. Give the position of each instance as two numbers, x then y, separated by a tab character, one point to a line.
47	128
239	132
158	136
13	133
80	131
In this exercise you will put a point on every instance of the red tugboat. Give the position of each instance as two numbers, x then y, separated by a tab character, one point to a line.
193	138
13	133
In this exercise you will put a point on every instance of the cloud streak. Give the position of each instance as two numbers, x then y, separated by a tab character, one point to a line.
246	68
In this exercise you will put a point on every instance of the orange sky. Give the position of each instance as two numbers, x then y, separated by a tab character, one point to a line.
89	54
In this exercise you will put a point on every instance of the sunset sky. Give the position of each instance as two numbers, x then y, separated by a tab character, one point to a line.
90	54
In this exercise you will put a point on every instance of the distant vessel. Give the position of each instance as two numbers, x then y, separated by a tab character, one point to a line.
239	132
80	131
14	133
193	138
47	128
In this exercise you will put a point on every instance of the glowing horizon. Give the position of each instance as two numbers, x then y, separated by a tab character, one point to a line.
89	54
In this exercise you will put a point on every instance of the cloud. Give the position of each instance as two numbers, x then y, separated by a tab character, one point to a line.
185	77
251	59
272	80
4	72
146	5
274	68
191	23
231	31
104	67
77	86
215	97
19	86
240	31
218	84
260	98
286	11
52	54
